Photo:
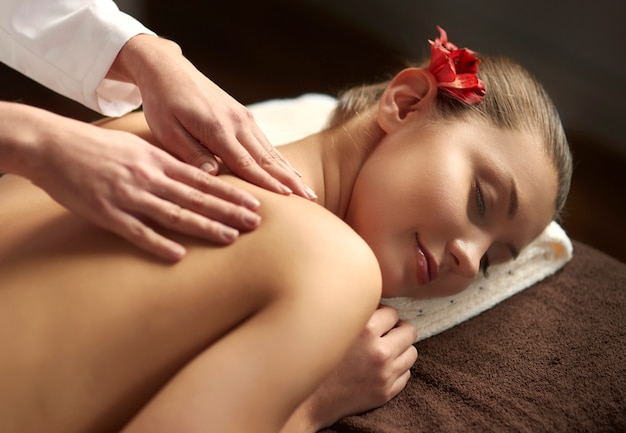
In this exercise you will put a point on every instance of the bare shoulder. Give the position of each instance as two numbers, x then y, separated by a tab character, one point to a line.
307	230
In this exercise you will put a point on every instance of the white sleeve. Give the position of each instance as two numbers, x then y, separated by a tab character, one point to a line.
69	46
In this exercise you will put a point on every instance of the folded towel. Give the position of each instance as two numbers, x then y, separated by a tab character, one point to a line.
540	259
285	120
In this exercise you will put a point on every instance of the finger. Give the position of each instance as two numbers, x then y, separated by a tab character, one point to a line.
402	335
383	320
244	165
273	162
266	145
236	157
261	165
399	384
181	143
174	217
201	181
206	205
268	148
406	359
208	163
142	236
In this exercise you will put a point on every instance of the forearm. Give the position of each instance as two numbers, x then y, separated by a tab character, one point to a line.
308	418
69	47
141	56
21	138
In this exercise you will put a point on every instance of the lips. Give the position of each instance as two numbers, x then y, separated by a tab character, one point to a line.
426	264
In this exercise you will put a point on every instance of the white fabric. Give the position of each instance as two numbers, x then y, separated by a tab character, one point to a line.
542	258
291	119
68	46
286	120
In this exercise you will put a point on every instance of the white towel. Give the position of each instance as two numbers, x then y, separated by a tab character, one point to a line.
540	259
285	120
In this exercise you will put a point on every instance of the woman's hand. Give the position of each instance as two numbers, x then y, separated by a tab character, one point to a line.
375	370
195	119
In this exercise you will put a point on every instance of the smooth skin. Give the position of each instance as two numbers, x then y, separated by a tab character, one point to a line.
199	344
116	335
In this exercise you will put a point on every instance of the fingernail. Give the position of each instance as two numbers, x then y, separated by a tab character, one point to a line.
310	193
177	252
209	167
229	234
251	219
251	203
285	189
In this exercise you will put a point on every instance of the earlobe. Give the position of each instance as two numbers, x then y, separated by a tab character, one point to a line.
411	91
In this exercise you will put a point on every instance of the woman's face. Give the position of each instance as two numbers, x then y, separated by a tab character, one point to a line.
437	201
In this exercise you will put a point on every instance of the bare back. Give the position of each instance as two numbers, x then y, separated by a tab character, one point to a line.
85	314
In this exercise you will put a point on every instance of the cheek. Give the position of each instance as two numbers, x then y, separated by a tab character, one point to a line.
441	192
398	193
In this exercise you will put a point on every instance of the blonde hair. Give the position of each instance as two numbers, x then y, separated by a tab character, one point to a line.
514	100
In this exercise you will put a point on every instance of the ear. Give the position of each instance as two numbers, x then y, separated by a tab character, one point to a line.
411	91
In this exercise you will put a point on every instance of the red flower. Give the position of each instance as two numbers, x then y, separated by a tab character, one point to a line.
455	70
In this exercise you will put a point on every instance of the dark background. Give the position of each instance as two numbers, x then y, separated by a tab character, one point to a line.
277	48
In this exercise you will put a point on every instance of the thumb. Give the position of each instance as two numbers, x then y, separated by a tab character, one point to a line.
194	153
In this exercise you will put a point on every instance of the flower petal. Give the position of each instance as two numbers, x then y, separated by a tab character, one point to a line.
455	70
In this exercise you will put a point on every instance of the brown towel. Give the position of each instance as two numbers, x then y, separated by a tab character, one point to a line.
550	359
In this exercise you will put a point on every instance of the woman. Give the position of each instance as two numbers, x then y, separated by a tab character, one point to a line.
419	192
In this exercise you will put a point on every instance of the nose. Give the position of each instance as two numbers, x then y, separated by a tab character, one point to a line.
467	254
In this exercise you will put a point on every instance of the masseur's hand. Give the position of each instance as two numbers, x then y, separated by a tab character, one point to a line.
375	370
195	119
120	182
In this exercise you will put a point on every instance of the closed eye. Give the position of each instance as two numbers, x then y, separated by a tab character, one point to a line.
480	200
484	265
482	211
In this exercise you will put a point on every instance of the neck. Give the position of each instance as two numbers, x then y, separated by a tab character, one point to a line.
330	160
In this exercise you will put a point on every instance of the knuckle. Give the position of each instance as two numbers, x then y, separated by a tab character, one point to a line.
214	231
137	233
202	179
381	355
143	173
241	115
370	329
270	158
245	162
234	213
196	199
245	114
121	191
174	214
218	127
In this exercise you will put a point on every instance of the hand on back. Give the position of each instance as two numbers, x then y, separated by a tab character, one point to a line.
195	119
124	184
